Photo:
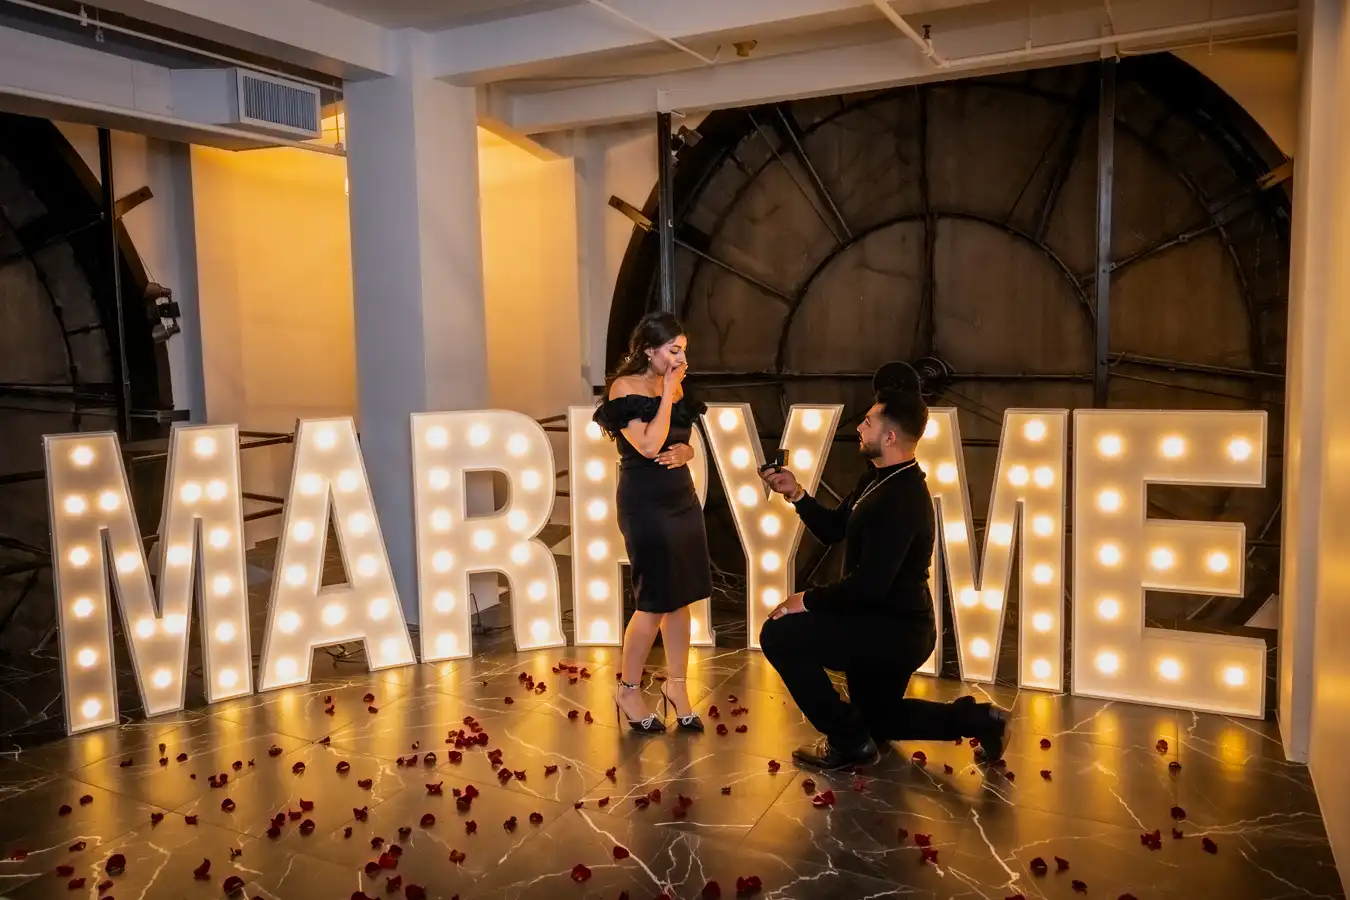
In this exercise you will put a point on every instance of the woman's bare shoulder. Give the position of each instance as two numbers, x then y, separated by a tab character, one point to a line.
626	386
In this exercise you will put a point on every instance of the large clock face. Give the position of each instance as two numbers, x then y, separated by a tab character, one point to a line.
954	226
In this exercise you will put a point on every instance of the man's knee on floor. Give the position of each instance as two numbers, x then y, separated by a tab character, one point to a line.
771	637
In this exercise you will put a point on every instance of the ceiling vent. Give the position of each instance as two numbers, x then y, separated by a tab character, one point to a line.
252	101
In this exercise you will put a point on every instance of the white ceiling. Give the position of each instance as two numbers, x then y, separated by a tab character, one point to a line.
434	15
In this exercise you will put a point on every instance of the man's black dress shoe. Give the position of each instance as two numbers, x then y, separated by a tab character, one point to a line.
824	755
987	724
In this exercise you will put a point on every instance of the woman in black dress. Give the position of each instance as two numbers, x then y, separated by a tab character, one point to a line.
646	412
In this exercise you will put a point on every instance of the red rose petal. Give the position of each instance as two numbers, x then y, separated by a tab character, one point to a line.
588	718
654	795
1178	813
1174	767
227	804
1010	776
1045	743
946	769
1078	887
163	760
126	762
822	800
394	884
372	869
641	802
732	698
930	855
1038	866
713	712
274	831
191	820
415	892
1061	864
860	785
75	884
368	698
376	843
1177	834
774	766
470	791
509	824
65	871
156	818
536	818
456	857
470	827
1161	746
923	840
202	872
365	783
428	820
437	789
298	768
919	758
388	861
621	853
182	757
1151	839
103	886
361	814
86	799
609	773
116	864
748	886
274	750
603	802
580	873
1210	846
65	810
573	714
404	831
307	827
233	884
722	730
77	846
726	790
808	785
503	775
902	835
549	770
711	891
347	832
742	729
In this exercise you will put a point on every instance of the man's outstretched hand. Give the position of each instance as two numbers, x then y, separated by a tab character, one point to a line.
781	481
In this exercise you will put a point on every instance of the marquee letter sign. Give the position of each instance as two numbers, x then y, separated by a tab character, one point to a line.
597	545
1027	507
1119	552
93	523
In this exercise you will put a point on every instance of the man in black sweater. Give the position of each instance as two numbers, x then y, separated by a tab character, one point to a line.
875	624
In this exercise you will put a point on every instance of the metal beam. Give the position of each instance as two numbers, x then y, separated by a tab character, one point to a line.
105	162
1106	180
665	198
787	129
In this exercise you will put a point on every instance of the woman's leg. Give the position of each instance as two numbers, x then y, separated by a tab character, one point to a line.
637	645
675	639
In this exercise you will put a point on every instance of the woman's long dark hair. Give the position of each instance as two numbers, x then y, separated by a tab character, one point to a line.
654	330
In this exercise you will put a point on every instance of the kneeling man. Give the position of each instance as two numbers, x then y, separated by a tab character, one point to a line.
875	624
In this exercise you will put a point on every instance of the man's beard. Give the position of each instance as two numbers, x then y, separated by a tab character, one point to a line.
869	451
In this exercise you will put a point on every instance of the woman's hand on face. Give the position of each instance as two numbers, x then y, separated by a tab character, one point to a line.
675	455
674	377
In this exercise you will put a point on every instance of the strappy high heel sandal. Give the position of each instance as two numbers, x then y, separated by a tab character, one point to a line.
684	723
648	725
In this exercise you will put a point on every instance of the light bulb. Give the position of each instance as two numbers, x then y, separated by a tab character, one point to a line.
1239	449
1042	622
516	520
597	549
930	430
1161	558
970	596
1018	476
442	560
1108	608
128	562
444	601
178	555
740	457
348	481
1234	676
75	505
1001	534
770	561
446	644
1108	554
478	435
1042	573
378	609
359	523
108	501
216	490
539	629
78	557
204	447
1217	562
992	598
310	484
437	436
812	420
191	492
86	658
228	678
1108	663
295	575
596	510
225	632
286	668
162	678
946	473
517	445
593	431
537	591
91	708
599	631
220	538
438	479
175	624
145	628
598	589
595	470
727	419
520	553
802	459
288	622
1041	668
771	597
770	524
483	539
390	649
530	479
302	531
1034	430
979	648
334	613
325	438
747	496
1173	446
1042	526
221	585
83	608
1109	501
1169	668
1044	476
82	456
1110	445
955	532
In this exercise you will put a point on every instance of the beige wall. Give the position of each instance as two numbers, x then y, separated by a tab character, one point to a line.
1261	75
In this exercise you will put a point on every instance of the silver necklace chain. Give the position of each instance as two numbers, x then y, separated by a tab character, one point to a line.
876	484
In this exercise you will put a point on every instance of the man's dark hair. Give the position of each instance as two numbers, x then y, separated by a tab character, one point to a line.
905	410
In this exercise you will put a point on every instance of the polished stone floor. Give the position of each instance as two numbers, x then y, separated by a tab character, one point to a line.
579	809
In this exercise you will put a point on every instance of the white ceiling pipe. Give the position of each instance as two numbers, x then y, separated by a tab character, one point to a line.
683	48
924	44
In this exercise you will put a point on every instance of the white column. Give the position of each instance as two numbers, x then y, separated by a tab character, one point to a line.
417	259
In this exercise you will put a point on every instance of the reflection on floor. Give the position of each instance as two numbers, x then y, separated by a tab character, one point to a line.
1107	799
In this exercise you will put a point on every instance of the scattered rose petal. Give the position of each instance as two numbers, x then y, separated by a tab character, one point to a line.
774	766
536	818
1177	834
919	758
365	783
372	868
404	831
602	802
65	871
808	785
116	864
86	799
711	891
182	757
103	886
376	843
580	873
1061	864
1078	886
274	831
722	730
436	789
124	763
588	718
1038	866
428	820
237	764
641	802
470	827
1010	776
457	857
233	884
930	855
1151	839
65	810
202	872
415	892
621	853
274	750
573	714
923	840
235	853
298	768
392	885
227	804
823	800
902	835
503	775
77	846
654	795
191	820
1178	813
1045	743
368	698
347	832
550	770
361	814
1210	846
748	886
1174	767
946	769
974	743
510	824
163	760
609	773
156	818
1161	746
742	729
726	789
307	827
714	713
306	805
75	884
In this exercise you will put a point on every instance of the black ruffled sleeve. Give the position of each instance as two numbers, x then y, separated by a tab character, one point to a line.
614	415
686	412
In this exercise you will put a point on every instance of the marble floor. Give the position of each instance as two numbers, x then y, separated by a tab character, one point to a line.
375	799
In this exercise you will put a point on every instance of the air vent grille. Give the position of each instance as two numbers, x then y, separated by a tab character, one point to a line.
265	101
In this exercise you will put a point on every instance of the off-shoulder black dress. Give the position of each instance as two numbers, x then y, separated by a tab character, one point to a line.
659	512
